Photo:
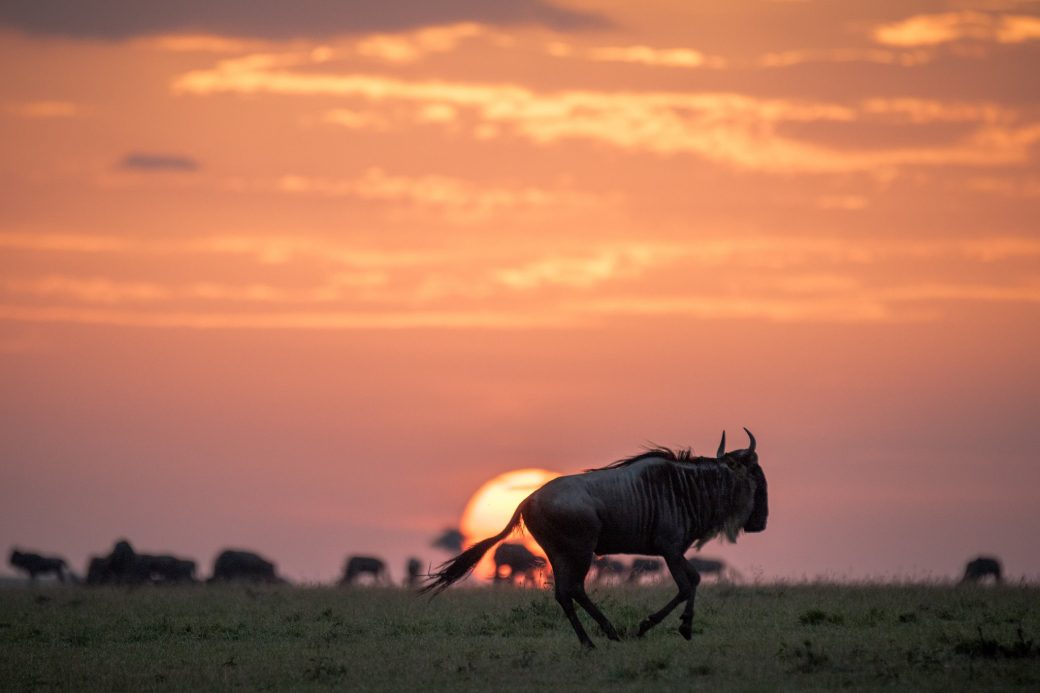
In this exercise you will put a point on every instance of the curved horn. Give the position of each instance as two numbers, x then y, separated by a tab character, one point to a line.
752	447
722	446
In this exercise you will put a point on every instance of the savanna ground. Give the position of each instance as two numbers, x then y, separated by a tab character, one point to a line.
747	638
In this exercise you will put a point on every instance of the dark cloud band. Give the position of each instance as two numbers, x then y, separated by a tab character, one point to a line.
273	19
137	161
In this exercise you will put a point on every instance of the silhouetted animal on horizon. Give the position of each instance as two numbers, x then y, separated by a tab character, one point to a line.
34	564
234	564
166	568
356	566
644	568
449	540
606	569
124	566
714	566
658	503
119	567
413	572
982	567
520	561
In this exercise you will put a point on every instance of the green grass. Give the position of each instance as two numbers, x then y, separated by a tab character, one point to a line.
751	638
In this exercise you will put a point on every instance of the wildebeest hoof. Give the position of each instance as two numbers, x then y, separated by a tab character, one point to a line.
588	645
686	630
646	625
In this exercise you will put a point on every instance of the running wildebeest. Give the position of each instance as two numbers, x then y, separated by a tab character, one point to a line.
520	561
413	572
35	564
658	503
243	565
607	569
982	567
356	566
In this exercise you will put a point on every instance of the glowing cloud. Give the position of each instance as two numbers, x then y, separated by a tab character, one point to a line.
44	109
947	27
412	46
733	129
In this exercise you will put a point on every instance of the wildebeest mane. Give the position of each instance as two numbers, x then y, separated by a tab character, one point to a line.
653	451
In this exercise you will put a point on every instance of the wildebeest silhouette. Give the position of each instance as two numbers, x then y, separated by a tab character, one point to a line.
713	566
520	561
356	566
450	540
34	564
644	568
124	566
659	502
166	568
413	572
246	566
606	569
120	567
982	567
98	572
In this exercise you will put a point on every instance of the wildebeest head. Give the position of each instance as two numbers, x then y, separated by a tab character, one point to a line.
747	460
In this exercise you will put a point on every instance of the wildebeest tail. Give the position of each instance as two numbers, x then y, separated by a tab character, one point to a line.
461	566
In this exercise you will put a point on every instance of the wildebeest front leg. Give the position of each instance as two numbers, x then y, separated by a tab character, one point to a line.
677	567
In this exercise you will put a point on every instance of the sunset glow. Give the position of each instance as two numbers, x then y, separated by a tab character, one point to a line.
492	506
299	279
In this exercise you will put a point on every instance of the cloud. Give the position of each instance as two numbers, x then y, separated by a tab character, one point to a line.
585	271
275	19
44	109
655	57
296	320
461	199
196	43
482	287
102	290
948	27
150	162
1021	187
413	46
878	56
737	130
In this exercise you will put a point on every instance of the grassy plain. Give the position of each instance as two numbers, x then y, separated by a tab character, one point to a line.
747	638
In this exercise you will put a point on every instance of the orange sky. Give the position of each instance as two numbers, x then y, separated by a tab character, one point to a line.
303	281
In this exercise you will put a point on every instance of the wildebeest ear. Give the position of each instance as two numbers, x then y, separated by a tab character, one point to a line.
722	445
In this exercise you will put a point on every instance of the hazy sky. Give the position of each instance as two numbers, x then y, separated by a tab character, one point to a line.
302	280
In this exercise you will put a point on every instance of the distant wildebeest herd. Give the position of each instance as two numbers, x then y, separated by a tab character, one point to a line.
515	564
125	566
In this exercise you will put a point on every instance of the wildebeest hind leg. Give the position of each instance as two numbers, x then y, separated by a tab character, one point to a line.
578	563
583	598
566	591
677	567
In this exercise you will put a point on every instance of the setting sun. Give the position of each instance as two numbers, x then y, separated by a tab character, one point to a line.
490	508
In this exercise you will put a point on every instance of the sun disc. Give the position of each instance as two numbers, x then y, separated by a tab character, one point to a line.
493	504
